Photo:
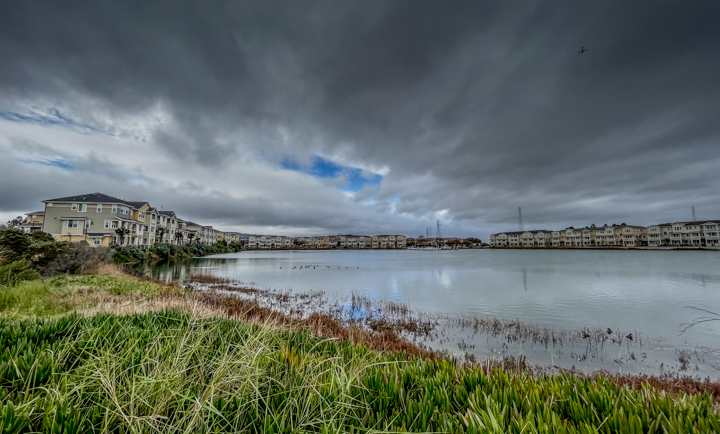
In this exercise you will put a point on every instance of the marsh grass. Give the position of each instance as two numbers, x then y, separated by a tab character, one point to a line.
172	372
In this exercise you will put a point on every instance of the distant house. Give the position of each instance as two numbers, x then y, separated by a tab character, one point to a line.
33	222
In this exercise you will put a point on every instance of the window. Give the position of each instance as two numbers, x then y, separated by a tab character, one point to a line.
88	223
50	204
99	207
141	214
73	207
82	207
114	224
124	210
72	224
107	224
114	209
97	241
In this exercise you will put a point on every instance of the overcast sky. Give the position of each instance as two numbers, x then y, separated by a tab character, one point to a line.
308	117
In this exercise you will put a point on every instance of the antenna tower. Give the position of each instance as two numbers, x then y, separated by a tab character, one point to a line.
694	218
437	231
521	227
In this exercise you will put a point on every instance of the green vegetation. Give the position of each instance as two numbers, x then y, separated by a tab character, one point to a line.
39	252
63	294
170	372
163	251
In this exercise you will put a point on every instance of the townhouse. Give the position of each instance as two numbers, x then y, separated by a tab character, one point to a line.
33	222
269	242
101	220
354	241
389	242
696	234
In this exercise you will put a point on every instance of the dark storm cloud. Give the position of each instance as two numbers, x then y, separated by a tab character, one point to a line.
474	107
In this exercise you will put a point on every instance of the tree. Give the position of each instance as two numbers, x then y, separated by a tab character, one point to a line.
179	237
297	242
17	221
160	232
191	236
121	234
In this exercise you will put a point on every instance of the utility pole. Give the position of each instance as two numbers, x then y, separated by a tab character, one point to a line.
694	218
521	227
437	232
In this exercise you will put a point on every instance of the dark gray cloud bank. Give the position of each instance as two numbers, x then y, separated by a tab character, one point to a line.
465	109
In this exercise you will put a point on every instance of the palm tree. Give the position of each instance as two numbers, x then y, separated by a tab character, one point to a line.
160	231
178	237
191	236
121	234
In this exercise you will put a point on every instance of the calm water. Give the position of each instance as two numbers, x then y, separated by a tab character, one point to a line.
637	291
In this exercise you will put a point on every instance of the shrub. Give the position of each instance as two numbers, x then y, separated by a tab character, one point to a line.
15	272
162	250
14	243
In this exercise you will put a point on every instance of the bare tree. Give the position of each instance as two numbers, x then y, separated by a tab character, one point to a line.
17	221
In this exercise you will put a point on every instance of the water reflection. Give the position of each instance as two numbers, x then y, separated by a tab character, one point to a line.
632	290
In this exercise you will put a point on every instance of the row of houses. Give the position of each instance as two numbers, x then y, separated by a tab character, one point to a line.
679	234
347	241
102	220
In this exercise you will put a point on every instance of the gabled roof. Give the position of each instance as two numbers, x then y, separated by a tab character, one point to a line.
36	213
90	197
138	204
170	213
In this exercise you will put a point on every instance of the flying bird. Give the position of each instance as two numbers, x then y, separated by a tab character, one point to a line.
582	50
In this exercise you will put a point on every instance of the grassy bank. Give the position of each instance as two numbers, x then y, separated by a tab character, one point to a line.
177	372
108	352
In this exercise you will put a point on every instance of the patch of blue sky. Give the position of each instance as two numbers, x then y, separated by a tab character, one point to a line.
320	167
61	164
52	117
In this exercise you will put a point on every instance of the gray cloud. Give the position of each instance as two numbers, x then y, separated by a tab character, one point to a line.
474	107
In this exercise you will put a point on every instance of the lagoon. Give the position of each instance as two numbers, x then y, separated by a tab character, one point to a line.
650	293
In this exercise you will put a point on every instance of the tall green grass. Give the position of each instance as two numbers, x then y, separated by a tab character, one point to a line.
170	372
47	297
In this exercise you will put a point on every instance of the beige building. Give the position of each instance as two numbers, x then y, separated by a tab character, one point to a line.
389	242
634	236
33	222
269	242
695	234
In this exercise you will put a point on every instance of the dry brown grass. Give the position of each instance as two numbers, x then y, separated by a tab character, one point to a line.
380	334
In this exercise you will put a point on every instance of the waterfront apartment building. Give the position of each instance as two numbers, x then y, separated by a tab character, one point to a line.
101	220
389	242
697	234
269	242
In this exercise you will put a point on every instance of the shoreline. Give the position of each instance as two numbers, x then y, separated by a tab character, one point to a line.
587	350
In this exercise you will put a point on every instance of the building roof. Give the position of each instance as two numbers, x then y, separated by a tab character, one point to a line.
698	222
170	213
36	212
89	197
137	204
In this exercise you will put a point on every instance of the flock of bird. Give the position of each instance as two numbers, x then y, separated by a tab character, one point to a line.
313	267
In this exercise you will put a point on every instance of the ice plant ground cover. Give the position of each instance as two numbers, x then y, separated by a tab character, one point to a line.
173	371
